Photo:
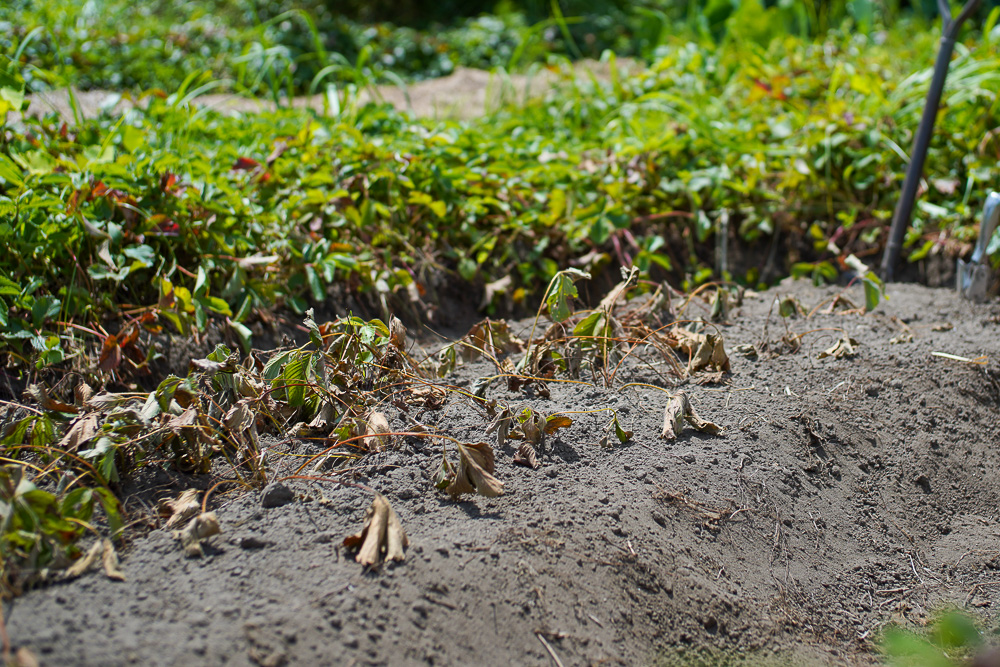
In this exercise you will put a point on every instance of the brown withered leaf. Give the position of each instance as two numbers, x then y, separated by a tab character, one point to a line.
844	348
397	333
673	416
41	396
679	410
427	396
85	562
707	350
112	568
501	425
239	417
475	472
199	528
555	422
382	536
180	509
82	393
376	426
532	426
526	455
80	432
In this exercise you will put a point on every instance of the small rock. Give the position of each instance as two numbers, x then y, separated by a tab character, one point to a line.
253	542
276	494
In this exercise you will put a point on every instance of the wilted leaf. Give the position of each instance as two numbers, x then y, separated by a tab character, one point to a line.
720	306
532	426
526	455
427	396
679	410
82	393
844	348
397	333
444	475
85	562
501	425
614	427
673	416
239	417
79	433
180	509
562	291
381	538
112	568
475	472
376	426
41	396
707	350
199	528
555	422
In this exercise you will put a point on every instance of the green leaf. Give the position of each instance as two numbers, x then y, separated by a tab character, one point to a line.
872	293
588	325
562	290
315	285
295	377
314	335
244	334
201	282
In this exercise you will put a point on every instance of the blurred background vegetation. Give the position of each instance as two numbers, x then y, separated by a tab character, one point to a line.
121	44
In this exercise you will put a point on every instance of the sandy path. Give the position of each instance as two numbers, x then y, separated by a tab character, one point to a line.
465	94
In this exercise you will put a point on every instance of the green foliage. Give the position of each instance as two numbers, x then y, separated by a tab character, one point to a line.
194	218
40	529
951	639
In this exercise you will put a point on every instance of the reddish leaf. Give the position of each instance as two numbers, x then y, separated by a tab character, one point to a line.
111	354
245	164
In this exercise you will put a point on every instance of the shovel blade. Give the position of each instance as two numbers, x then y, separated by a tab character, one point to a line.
974	281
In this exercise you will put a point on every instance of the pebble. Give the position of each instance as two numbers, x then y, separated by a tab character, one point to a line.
276	494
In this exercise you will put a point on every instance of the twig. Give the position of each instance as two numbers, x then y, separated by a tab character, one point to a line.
548	647
972	591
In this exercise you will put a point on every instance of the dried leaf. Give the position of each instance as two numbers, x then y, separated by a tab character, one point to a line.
501	425
679	410
614	427
526	456
105	401
381	538
845	348
555	422
707	350
427	396
700	424
376	426
475	472
82	393
199	528
41	396
673	416
239	417
85	562
79	433
112	568
181	509
325	418
397	333
532	426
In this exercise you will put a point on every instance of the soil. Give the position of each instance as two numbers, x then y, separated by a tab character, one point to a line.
843	494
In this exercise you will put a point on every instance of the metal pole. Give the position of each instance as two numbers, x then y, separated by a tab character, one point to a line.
904	209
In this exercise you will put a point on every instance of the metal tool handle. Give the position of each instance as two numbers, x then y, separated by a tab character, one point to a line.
904	209
991	216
